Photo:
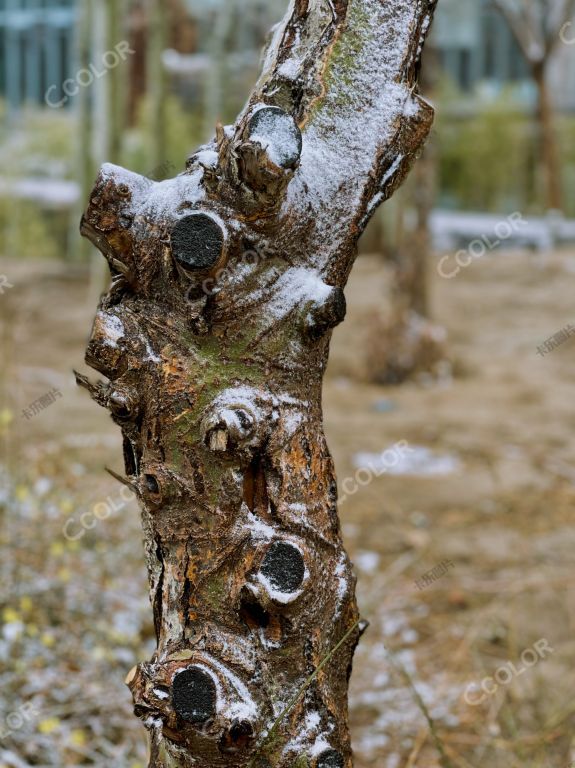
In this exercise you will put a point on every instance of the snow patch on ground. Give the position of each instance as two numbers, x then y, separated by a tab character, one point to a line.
418	461
368	562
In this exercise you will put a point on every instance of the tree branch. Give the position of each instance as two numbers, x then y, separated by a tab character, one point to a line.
525	28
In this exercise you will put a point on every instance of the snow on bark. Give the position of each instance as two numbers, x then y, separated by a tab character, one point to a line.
215	365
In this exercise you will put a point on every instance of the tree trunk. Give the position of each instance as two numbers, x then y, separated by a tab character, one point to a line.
79	249
547	137
156	82
227	282
408	344
114	82
414	249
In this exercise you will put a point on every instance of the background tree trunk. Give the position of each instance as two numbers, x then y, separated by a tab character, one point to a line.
156	82
81	250
215	84
114	82
406	343
420	246
547	138
214	337
414	248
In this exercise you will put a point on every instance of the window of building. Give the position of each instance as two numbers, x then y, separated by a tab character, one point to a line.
35	48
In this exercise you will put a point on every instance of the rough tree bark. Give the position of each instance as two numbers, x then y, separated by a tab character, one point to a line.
227	281
537	26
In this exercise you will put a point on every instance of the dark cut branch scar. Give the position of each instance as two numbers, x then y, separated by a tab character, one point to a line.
284	567
194	696
198	241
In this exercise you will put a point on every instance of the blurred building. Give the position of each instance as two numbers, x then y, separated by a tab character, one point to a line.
477	51
37	40
475	47
36	47
254	17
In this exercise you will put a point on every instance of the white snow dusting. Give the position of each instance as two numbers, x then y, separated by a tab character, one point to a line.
276	134
114	330
296	286
363	103
259	529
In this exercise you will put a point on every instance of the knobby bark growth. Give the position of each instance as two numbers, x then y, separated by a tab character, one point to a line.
538	26
214	336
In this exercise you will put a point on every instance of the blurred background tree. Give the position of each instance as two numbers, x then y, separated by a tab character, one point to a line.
537	26
403	342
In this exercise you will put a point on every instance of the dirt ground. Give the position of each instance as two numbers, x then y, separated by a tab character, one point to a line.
73	606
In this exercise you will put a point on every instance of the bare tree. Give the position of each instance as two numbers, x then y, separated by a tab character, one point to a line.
218	73
537	26
227	281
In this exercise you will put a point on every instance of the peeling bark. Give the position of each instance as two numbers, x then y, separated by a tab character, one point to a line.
227	282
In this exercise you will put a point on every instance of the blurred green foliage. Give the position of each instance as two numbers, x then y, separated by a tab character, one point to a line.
183	136
488	159
28	232
41	145
566	130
